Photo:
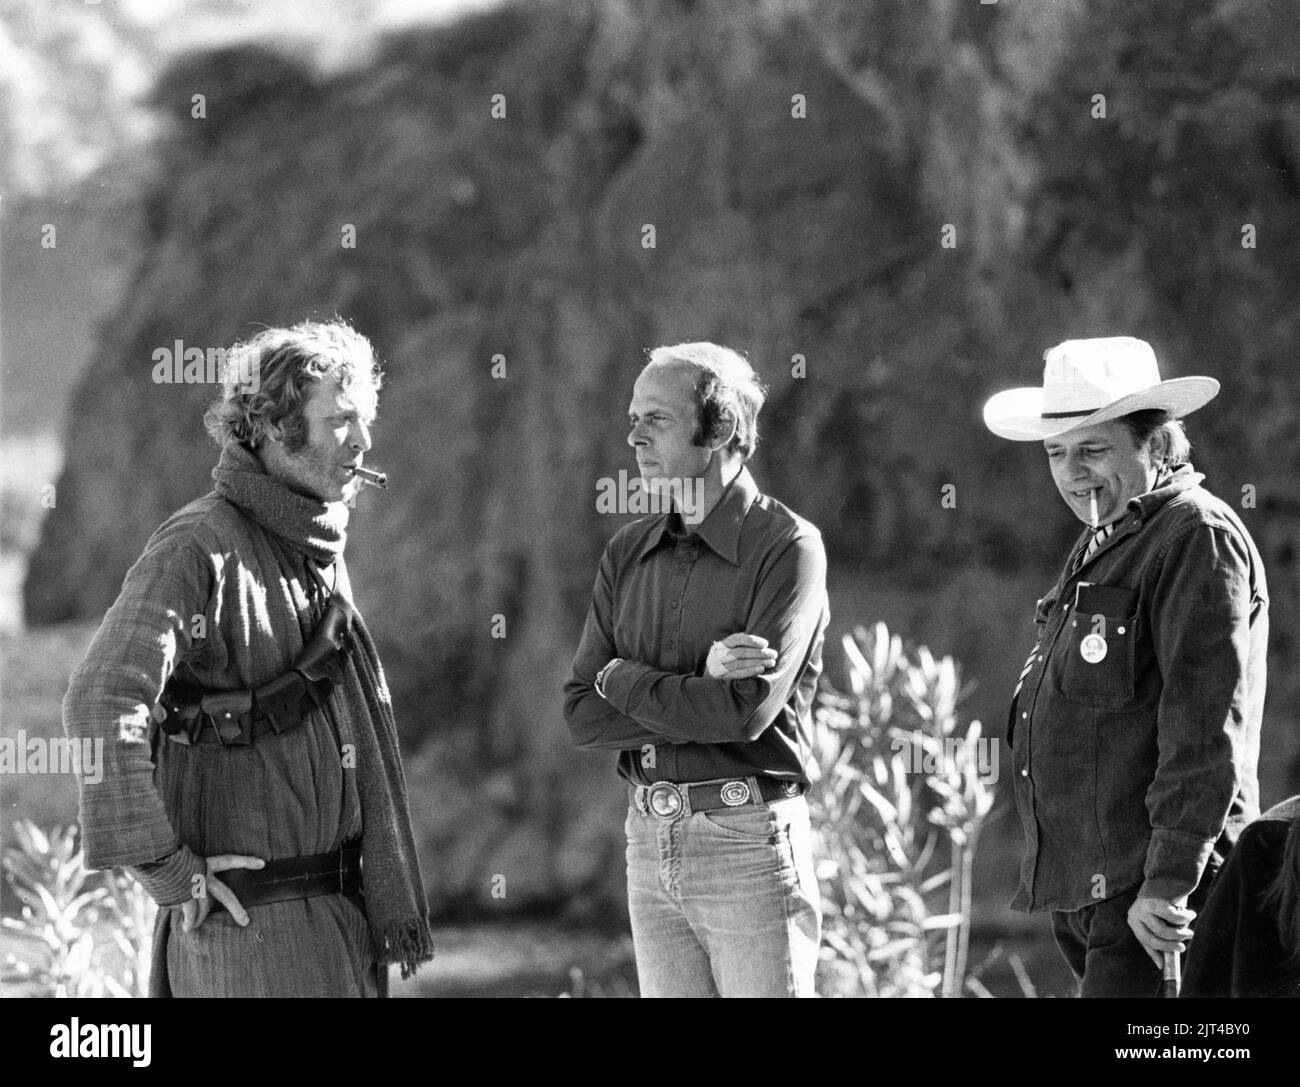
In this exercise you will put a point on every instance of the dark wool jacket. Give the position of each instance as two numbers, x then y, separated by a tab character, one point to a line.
1237	949
1138	767
225	595
212	570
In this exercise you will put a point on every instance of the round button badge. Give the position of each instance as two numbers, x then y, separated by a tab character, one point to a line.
1093	648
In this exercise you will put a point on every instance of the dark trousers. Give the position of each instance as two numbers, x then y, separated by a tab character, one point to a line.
1105	956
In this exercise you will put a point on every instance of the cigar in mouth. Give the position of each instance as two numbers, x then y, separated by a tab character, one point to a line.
1092	502
369	475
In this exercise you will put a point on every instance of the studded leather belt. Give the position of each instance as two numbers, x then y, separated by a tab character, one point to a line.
668	800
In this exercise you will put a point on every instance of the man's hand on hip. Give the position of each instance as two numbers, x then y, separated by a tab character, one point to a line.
740	656
1160	926
195	911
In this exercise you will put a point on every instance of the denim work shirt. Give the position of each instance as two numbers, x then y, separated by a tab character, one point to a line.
1137	765
663	595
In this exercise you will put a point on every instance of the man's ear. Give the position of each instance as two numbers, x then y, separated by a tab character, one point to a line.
1158	447
723	431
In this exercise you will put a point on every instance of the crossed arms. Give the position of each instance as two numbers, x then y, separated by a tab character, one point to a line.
648	705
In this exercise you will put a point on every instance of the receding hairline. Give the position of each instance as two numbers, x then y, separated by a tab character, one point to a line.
683	392
730	368
716	359
691	370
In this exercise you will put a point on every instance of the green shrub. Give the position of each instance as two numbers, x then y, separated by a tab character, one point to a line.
897	845
615	983
78	933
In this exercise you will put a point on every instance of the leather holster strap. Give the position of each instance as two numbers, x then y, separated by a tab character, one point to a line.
336	872
187	714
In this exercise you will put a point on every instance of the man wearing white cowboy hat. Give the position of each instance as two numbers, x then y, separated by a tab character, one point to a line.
1134	729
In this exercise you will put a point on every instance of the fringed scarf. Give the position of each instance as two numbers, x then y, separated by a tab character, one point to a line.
391	881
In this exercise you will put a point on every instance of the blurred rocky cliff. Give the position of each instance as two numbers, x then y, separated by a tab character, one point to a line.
802	167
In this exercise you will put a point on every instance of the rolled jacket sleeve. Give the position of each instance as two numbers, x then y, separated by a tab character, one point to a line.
787	610
110	696
1202	618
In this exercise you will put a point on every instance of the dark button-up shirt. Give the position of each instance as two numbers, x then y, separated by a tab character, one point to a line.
1137	766
662	598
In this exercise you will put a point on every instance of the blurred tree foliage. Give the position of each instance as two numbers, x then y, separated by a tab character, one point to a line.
66	84
1178	214
816	237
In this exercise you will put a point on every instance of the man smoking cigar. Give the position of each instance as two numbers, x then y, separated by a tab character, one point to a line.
251	757
369	475
1135	726
698	664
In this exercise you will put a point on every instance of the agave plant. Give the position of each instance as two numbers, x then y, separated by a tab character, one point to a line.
897	841
77	933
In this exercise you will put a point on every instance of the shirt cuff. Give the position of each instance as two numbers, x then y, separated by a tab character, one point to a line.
620	683
1175	862
170	881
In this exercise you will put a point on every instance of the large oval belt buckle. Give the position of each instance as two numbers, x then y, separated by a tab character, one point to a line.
735	793
665	800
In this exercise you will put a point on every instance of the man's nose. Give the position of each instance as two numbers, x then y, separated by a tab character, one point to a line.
1074	466
636	436
360	437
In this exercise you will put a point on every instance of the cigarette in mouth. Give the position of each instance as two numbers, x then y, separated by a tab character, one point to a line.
1092	503
368	475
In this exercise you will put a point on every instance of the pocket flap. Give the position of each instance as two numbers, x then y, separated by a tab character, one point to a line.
223	703
1108	600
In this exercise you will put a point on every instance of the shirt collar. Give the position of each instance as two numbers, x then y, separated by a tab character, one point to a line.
1145	506
721	528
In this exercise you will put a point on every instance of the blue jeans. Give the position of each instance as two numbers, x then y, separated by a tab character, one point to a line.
724	903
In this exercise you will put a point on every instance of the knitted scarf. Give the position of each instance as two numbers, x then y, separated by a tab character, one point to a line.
391	881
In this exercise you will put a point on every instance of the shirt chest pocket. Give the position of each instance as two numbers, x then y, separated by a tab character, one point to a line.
1097	669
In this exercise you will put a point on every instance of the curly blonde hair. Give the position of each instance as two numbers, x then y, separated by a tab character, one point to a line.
288	362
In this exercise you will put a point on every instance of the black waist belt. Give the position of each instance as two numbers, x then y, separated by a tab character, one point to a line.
668	799
336	872
191	715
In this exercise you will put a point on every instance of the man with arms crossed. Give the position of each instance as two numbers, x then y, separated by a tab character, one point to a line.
251	756
1134	730
698	664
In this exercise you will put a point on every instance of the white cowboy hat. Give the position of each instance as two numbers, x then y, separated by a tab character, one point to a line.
1093	381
